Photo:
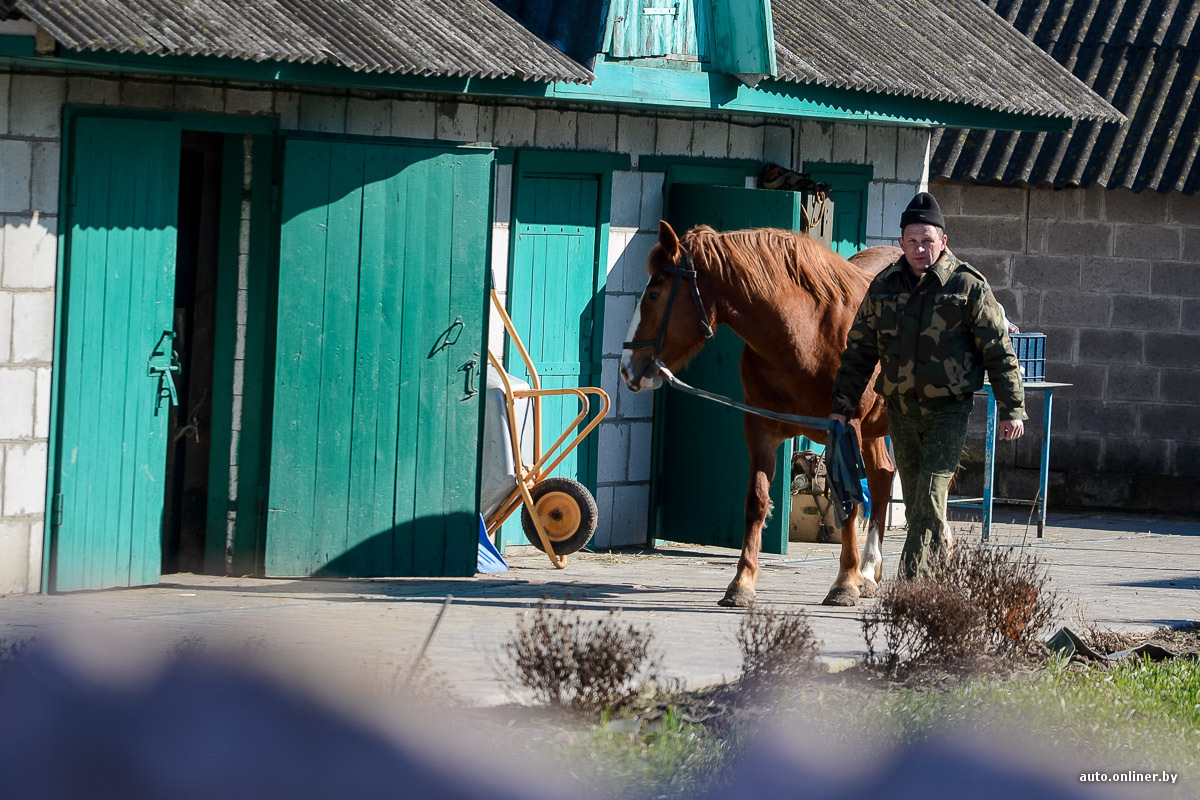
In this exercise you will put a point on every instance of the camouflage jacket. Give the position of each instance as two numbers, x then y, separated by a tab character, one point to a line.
934	343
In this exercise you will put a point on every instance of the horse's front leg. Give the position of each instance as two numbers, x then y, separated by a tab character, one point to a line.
762	447
850	581
880	472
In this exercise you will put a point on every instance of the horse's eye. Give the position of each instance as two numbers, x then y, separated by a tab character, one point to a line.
653	296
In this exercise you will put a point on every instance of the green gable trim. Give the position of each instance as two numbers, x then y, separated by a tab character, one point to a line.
17	47
745	166
743	37
577	163
620	85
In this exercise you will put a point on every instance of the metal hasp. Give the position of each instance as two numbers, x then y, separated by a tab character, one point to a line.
989	462
165	348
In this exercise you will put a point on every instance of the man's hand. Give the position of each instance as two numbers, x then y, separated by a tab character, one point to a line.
1011	429
838	418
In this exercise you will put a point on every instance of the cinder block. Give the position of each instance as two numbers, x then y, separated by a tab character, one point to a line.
1183	209
504	193
1139	454
746	141
16	173
633	268
47	157
323	113
36	542
248	101
596	131
457	122
635	135
1115	275
613	455
912	155
93	91
365	117
24	479
1169	421
652	200
1098	416
674	136
1173	349
1145	313
1035	235
30	253
194	97
6	326
287	106
17	395
1174	279
5	84
993	201
144	94
815	141
500	245
881	150
14	557
1135	208
1110	347
618	311
603	536
996	267
779	144
1046	272
849	144
710	138
1097	490
36	106
631	512
1092	204
1079	238
1072	308
1055	204
555	129
1185	461
1071	452
1005	234
1013	304
949	196
896	197
1060	341
1191	245
1148	241
1125	383
618	240
487	124
33	327
1190	317
626	199
514	126
636	405
610	379
1180	386
640	438
1087	380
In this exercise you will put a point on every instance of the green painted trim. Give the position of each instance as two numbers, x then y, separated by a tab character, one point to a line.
849	173
743	37
18	47
652	163
574	162
190	121
855	178
621	85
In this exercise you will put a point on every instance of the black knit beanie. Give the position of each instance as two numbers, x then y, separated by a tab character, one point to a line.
923	210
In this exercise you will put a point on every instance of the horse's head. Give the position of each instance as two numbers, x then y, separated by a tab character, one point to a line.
670	322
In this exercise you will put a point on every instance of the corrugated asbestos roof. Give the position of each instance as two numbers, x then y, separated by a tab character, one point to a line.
959	51
460	38
1144	57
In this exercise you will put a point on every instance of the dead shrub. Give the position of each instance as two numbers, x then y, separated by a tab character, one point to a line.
778	648
973	607
564	660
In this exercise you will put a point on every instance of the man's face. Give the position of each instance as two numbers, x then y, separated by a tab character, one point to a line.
922	245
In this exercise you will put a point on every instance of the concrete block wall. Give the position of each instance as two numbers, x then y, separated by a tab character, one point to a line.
1113	280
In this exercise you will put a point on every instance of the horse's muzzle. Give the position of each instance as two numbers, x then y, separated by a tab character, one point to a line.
641	375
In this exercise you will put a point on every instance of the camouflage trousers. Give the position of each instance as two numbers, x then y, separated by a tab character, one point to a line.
927	448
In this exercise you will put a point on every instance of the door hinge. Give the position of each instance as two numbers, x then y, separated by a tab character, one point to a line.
56	510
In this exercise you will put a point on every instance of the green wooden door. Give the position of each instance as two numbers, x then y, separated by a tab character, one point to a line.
119	271
374	451
701	467
850	184
554	297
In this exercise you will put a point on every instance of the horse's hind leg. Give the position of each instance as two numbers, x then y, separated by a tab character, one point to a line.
762	446
879	481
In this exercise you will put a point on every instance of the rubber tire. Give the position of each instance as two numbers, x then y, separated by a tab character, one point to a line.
588	514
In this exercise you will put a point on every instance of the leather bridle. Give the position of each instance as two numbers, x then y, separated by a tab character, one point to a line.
688	271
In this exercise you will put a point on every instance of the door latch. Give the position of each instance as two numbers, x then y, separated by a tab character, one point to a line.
469	367
164	372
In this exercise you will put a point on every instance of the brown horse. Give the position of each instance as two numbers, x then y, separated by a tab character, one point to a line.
792	301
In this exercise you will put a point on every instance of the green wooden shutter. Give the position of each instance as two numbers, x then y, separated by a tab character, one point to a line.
701	467
374	461
122	206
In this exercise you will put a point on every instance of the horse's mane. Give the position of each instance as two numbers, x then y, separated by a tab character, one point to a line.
757	261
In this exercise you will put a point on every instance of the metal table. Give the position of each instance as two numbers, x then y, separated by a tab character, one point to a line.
989	461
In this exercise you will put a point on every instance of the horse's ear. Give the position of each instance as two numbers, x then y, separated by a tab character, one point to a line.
667	237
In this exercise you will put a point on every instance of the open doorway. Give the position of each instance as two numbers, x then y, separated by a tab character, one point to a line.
189	425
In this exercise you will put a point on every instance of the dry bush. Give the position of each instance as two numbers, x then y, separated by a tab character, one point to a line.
778	648
564	660
972	607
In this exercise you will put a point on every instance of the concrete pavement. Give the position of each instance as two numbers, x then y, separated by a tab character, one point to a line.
1127	573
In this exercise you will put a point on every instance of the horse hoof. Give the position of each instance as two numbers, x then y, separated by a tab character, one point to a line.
737	598
868	589
844	596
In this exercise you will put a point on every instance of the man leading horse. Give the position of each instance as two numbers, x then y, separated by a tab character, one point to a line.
933	326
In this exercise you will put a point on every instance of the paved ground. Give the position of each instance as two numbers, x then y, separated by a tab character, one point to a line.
1127	573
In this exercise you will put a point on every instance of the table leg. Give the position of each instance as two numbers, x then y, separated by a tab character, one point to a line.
1044	475
989	464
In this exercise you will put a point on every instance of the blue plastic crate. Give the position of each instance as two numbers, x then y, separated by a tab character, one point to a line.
1031	355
